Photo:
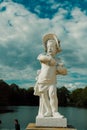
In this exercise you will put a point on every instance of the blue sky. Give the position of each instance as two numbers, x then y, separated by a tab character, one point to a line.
22	26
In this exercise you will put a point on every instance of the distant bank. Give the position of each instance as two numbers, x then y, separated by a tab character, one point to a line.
13	95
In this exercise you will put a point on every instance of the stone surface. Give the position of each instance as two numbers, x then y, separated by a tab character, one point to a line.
45	87
51	122
32	126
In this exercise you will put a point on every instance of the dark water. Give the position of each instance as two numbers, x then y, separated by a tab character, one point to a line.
76	117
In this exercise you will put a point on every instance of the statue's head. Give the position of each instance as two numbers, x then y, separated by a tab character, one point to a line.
52	40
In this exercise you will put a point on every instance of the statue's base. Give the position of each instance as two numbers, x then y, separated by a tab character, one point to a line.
51	122
32	126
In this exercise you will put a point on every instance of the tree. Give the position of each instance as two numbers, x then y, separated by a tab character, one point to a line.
84	97
76	98
63	96
31	99
4	93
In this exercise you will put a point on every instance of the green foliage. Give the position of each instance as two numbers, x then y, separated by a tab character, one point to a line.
84	97
78	97
63	96
4	93
13	95
31	99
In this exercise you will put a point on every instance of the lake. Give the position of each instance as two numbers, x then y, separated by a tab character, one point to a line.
76	117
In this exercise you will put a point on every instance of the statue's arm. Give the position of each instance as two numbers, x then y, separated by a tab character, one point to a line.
61	70
46	60
43	58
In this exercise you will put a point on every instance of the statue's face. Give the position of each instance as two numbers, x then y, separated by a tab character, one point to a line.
51	47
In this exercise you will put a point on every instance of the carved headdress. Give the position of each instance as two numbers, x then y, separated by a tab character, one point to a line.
51	37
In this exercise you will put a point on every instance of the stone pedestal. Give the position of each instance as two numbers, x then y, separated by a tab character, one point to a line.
32	126
51	122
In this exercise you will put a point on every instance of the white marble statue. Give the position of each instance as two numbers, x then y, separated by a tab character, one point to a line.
45	86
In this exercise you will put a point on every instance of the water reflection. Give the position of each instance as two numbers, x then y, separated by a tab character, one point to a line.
76	117
5	109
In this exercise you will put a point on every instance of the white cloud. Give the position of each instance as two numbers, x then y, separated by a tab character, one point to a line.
21	39
37	9
50	1
55	6
10	73
74	86
70	86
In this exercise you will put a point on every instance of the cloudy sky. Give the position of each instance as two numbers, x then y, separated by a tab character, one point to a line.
22	26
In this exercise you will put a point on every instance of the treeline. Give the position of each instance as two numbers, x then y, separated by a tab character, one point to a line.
13	95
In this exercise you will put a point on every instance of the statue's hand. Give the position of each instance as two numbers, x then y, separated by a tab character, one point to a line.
43	58
46	59
61	70
52	62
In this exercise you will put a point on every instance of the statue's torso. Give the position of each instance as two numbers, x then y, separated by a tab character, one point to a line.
47	74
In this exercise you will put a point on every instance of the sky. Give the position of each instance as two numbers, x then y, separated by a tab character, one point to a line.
22	26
